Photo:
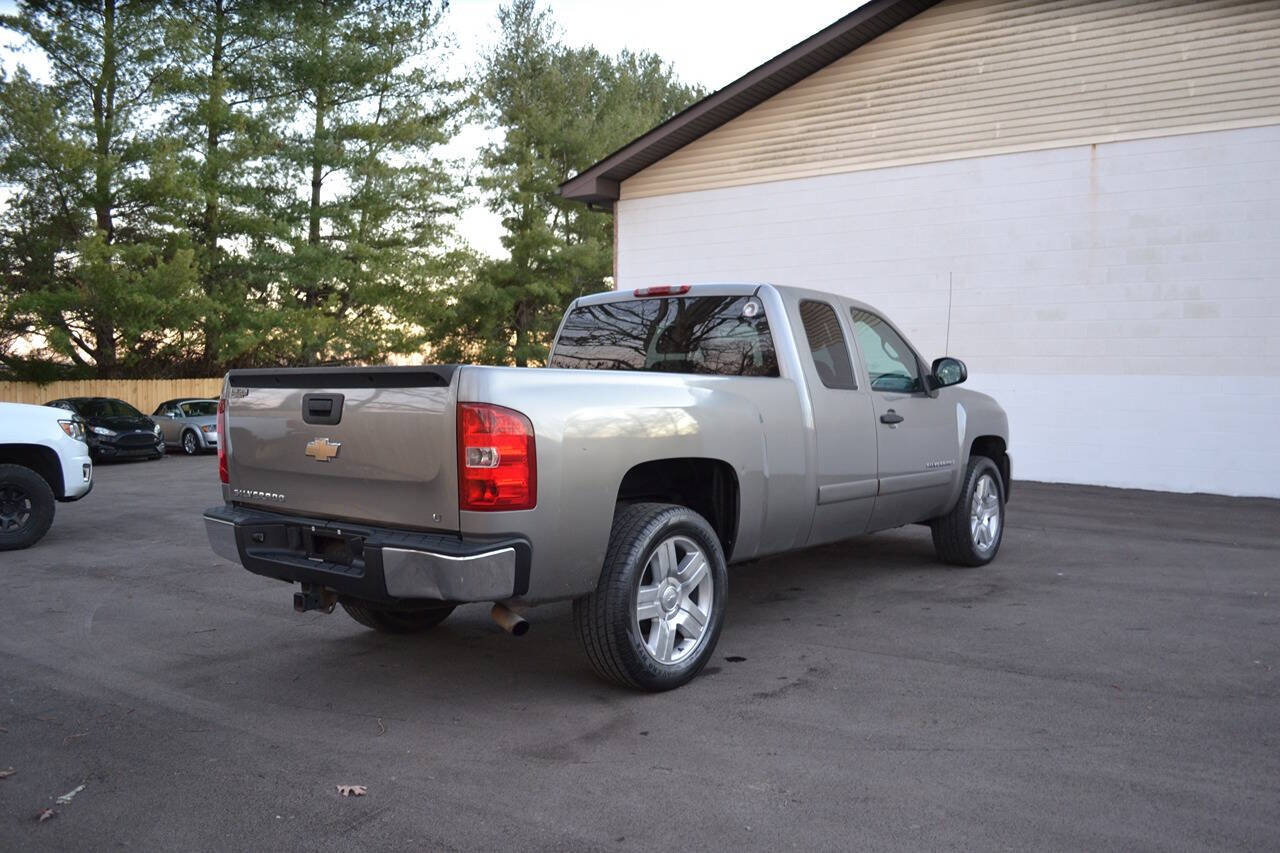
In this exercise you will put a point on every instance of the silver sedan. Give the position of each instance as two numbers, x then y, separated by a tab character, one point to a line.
189	424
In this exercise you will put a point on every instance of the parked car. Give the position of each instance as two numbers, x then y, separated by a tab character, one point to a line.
114	429
189	424
711	425
43	460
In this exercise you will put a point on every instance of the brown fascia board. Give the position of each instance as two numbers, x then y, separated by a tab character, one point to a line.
598	185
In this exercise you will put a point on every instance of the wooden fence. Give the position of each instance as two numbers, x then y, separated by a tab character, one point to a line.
145	394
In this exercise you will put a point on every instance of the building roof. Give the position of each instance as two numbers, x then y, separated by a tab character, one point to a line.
599	183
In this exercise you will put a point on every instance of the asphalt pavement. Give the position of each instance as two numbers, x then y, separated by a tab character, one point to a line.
1111	681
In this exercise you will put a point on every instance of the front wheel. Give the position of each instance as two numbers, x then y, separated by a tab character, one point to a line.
389	621
26	507
190	445
655	616
970	535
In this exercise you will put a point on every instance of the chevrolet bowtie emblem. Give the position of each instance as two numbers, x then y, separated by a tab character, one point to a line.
322	449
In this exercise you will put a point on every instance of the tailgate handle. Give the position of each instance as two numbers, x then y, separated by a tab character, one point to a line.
321	408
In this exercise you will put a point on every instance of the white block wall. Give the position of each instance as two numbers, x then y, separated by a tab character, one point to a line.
1121	300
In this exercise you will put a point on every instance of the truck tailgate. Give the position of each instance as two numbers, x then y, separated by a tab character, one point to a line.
374	445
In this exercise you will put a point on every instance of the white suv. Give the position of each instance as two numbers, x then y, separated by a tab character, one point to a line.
43	459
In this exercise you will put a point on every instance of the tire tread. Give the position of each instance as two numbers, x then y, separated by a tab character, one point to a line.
951	538
603	638
375	617
42	507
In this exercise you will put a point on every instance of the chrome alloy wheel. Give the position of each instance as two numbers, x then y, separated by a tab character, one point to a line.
674	599
984	514
15	508
189	443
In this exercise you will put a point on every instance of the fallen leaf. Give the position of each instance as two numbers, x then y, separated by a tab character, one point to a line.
352	790
44	814
70	795
382	729
7	772
69	738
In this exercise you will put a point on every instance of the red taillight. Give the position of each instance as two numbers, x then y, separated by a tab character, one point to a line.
663	290
222	441
497	462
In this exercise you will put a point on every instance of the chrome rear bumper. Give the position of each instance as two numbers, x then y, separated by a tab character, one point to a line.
372	564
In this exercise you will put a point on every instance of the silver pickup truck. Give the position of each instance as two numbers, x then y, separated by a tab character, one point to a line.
676	430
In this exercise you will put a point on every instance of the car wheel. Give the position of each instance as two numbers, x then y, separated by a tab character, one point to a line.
655	616
970	535
190	444
390	621
26	507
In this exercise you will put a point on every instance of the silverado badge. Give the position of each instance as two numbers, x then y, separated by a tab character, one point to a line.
322	449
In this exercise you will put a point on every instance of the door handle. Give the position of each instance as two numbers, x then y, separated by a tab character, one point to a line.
891	417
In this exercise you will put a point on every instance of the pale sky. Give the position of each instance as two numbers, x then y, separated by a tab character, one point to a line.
711	42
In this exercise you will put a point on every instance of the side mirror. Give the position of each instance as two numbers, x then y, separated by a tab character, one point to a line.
949	371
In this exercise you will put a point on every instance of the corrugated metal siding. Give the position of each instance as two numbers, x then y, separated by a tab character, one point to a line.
974	77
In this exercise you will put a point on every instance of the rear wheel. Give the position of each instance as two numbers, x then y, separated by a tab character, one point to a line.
26	507
971	533
392	621
655	616
190	444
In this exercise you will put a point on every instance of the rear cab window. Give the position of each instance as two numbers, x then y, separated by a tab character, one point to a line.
718	335
827	345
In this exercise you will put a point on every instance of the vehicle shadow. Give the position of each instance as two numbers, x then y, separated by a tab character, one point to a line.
469	660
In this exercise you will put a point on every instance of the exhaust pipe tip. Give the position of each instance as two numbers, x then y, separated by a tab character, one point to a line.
509	620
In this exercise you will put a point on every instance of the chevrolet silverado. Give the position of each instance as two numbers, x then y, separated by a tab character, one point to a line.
676	430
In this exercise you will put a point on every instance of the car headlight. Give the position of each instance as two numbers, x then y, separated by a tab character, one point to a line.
75	429
102	431
209	428
156	429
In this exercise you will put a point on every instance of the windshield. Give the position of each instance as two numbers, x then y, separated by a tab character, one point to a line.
200	408
725	335
105	407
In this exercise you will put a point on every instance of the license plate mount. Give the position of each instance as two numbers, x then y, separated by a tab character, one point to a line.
333	547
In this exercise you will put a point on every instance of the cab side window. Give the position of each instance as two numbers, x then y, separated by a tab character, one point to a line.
827	344
890	362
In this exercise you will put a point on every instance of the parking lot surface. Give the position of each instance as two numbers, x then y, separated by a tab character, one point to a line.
1111	681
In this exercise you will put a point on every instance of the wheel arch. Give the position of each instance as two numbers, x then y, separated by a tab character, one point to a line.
705	485
994	448
43	460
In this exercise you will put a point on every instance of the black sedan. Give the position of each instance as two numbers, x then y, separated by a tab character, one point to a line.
114	429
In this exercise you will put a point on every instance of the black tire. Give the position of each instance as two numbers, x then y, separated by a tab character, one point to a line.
190	442
26	507
953	537
389	621
606	620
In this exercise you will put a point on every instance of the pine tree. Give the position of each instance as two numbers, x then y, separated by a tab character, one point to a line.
84	264
226	109
559	110
365	243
